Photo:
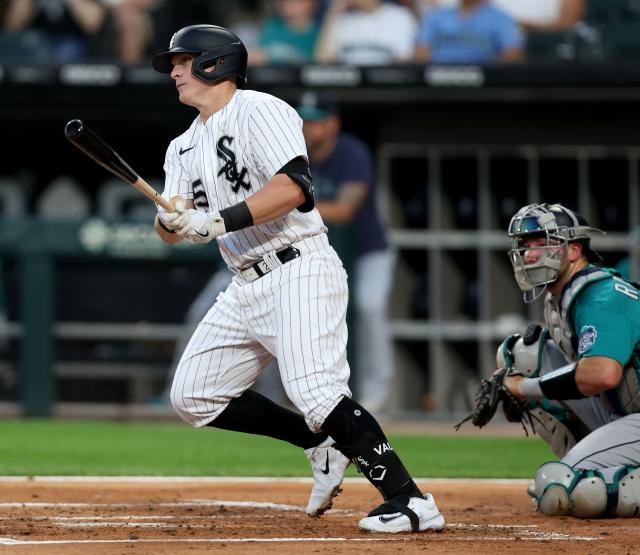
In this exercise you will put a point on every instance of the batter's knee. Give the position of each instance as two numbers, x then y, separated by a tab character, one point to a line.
182	405
194	409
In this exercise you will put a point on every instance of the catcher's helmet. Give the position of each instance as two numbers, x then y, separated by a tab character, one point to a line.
559	226
216	47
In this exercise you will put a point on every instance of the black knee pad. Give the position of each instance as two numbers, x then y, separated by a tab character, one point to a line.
349	421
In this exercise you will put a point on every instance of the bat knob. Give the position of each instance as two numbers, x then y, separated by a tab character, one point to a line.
73	129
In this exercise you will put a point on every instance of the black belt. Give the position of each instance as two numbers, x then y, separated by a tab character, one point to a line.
262	268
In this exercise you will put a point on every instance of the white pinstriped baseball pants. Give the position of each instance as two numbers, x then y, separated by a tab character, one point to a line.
296	313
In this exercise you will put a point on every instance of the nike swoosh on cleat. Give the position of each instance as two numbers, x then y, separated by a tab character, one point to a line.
325	470
202	234
385	519
183	150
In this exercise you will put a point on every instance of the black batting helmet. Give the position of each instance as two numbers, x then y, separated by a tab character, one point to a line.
216	47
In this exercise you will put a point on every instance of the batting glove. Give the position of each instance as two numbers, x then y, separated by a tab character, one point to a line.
172	220
200	227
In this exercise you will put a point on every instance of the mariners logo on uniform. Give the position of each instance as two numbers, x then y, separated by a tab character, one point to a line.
230	168
588	335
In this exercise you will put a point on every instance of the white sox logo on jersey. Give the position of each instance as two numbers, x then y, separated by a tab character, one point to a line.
230	168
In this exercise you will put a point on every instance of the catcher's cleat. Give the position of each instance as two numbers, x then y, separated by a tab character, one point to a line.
404	514
328	465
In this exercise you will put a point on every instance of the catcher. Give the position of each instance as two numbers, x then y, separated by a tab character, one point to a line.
577	380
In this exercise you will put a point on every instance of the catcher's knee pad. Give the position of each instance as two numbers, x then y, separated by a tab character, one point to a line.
626	485
553	431
559	490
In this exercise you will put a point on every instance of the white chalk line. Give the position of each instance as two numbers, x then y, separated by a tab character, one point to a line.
243	479
168	504
432	537
12	541
518	530
521	532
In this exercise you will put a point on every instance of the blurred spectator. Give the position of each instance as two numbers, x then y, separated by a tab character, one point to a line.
554	29
543	15
343	174
366	32
421	7
531	15
133	28
289	36
62	31
474	33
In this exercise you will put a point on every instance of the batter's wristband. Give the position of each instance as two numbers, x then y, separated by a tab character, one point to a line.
236	217
561	383
168	230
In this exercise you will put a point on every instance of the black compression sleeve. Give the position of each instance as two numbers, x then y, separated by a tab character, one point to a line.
253	413
561	384
237	217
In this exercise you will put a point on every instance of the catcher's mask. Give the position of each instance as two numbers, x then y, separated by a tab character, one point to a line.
216	47
558	226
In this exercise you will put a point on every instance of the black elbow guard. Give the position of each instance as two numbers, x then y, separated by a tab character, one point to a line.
298	171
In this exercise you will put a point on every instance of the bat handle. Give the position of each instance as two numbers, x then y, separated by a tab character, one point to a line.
153	195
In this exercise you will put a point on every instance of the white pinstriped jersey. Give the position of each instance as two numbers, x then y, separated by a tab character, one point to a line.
231	156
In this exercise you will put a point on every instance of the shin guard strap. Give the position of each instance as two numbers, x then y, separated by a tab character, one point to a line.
398	504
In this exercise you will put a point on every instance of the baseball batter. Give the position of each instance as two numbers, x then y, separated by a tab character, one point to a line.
580	374
240	175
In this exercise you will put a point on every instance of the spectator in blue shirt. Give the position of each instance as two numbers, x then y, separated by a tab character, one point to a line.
473	33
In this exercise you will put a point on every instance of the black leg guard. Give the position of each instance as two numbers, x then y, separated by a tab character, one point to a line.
253	413
360	438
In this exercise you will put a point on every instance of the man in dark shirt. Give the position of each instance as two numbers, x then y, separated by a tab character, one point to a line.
343	174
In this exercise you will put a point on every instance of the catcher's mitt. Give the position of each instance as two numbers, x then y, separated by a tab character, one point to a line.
489	395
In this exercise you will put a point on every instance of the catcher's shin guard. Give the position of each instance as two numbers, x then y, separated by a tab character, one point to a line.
360	438
627	486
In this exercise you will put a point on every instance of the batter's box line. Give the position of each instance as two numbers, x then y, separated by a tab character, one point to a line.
246	479
411	538
189	503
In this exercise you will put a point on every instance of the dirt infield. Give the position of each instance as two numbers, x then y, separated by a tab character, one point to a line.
162	517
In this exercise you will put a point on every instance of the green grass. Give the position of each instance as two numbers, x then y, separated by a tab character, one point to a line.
53	447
